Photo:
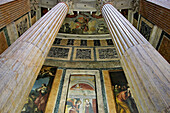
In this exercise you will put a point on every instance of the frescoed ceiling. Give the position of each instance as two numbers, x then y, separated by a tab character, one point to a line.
84	16
84	23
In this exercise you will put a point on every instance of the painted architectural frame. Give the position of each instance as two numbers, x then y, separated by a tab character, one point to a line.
99	98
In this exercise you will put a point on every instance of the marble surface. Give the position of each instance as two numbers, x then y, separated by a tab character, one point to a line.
145	28
59	53
86	64
83	50
106	53
164	48
83	42
3	42
54	91
82	53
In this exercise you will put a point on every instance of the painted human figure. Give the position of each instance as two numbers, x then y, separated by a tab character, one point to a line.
117	90
88	107
131	103
121	98
75	108
42	98
29	105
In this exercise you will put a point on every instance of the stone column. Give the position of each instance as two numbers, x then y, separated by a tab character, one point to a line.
147	72
22	61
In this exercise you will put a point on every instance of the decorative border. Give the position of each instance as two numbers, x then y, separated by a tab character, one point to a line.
77	42
59	92
103	93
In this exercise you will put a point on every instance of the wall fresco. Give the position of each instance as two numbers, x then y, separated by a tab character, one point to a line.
22	24
84	23
125	102
81	96
37	99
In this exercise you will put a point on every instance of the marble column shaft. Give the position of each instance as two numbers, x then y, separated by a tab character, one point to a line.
22	61
147	72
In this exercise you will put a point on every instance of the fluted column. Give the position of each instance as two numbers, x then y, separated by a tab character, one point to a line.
22	61
147	72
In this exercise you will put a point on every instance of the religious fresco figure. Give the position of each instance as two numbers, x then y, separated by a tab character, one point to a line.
84	23
37	99
81	96
124	101
131	103
88	107
29	104
41	100
73	106
116	90
122	107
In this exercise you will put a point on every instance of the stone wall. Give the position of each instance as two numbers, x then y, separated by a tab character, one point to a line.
10	31
72	52
156	35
